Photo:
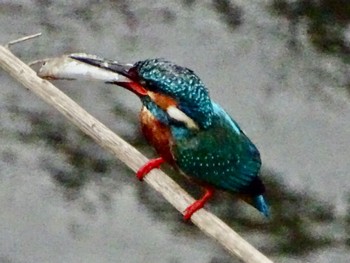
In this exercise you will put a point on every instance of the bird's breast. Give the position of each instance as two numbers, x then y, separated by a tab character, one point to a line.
157	134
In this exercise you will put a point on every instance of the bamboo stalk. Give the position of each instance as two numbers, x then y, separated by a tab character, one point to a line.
172	192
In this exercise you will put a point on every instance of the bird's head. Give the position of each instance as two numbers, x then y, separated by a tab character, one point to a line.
169	91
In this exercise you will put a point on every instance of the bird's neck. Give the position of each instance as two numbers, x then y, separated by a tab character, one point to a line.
150	108
158	113
157	134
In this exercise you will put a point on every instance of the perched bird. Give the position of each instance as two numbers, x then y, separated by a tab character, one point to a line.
189	130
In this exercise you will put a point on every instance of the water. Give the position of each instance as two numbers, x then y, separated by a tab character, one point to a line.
63	199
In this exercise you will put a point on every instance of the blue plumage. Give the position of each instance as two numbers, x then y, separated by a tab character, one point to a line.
222	155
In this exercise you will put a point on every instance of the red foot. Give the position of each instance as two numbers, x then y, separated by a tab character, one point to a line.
147	167
209	191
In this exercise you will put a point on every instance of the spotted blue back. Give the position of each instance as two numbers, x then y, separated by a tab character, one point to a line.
222	156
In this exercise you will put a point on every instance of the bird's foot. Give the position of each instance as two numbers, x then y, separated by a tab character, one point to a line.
209	191
147	167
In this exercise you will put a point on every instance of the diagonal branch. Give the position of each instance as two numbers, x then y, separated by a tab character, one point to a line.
22	39
172	192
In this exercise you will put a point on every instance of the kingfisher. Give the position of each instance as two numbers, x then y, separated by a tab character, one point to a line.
189	130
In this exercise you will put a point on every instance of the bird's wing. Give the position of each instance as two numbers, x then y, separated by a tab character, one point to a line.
222	155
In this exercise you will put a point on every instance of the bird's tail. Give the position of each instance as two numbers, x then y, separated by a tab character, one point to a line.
259	203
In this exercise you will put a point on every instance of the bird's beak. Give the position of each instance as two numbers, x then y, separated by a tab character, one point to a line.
128	80
109	65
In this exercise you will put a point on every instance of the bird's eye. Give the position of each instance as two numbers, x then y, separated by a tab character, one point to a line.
143	83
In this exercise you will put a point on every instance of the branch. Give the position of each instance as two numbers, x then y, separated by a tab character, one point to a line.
172	192
22	39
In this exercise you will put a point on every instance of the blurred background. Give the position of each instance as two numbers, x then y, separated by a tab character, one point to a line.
280	68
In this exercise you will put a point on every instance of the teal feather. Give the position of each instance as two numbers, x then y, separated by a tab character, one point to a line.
259	203
222	155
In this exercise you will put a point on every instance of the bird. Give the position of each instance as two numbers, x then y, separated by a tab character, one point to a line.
188	130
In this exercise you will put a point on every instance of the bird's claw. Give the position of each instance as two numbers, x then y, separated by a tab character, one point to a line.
189	211
147	167
192	209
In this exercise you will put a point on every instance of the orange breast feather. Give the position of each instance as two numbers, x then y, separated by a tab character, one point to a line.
157	134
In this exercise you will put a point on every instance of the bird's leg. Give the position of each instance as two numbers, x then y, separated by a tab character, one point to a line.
209	191
147	167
